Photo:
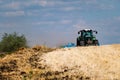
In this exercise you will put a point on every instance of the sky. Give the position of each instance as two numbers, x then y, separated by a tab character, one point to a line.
57	22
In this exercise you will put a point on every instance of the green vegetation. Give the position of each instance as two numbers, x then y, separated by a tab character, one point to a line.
12	42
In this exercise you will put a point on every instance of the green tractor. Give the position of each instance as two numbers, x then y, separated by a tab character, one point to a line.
87	38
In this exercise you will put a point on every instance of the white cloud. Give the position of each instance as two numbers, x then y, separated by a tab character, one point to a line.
14	13
12	5
43	3
48	14
35	2
7	25
52	22
90	1
65	21
106	7
81	24
17	5
44	23
33	13
71	8
98	5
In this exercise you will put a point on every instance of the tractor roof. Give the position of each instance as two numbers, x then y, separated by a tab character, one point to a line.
87	29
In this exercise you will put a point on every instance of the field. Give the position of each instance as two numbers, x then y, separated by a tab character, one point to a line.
78	63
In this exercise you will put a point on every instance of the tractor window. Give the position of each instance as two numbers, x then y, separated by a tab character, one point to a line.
88	34
83	33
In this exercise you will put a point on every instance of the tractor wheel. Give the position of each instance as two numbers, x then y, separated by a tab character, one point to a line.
96	43
82	43
78	42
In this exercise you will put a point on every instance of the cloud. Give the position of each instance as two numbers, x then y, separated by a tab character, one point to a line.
52	22
7	25
65	21
90	1
14	13
81	24
13	5
96	4
38	12
35	2
33	12
18	5
106	7
48	15
44	23
43	3
71	8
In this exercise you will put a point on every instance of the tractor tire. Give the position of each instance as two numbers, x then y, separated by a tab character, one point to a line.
96	43
78	42
82	43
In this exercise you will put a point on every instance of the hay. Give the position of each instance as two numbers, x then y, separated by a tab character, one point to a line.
78	63
97	62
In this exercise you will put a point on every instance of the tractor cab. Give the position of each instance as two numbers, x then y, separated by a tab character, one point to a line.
86	33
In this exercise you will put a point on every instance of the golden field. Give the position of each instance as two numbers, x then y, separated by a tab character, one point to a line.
78	63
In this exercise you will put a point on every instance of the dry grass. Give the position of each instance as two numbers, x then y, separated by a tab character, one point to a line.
18	65
79	63
97	62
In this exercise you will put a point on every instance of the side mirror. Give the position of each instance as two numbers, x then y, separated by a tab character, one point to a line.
78	32
96	32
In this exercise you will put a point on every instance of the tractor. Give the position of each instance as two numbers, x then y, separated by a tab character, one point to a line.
87	38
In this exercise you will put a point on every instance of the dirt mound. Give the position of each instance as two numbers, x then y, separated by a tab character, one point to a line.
19	65
78	63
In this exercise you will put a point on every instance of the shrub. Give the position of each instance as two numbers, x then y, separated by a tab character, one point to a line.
11	42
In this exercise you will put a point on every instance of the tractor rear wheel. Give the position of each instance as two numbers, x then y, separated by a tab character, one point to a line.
82	43
96	43
78	42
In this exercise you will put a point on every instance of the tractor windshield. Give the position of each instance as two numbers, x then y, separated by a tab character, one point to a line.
87	34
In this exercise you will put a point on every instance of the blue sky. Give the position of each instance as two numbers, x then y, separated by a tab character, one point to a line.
56	22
